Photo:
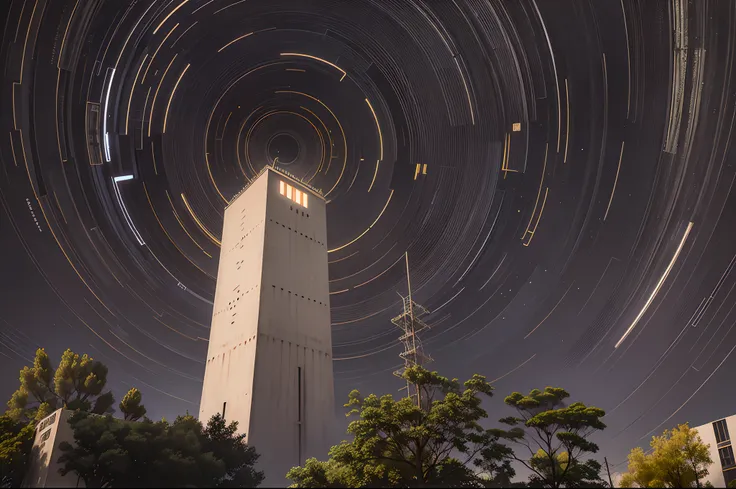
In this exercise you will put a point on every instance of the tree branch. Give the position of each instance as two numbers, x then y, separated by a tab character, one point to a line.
528	466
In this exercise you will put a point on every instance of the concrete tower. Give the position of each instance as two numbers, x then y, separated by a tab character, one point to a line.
269	362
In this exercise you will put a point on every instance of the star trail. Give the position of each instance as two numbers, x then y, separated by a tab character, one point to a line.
560	173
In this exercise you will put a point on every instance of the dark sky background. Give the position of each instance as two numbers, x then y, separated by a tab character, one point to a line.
590	247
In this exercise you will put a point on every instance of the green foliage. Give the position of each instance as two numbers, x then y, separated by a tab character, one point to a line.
117	453
555	436
224	442
402	443
16	439
74	384
315	473
103	404
678	458
131	406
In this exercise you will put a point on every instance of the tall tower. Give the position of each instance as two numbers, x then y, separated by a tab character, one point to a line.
269	362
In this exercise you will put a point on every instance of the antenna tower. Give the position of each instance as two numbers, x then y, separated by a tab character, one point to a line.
411	324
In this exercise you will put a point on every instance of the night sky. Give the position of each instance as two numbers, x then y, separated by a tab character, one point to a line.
560	173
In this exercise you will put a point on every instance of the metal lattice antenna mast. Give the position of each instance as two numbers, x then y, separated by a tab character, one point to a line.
411	325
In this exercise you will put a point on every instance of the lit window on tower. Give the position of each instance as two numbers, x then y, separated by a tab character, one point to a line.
294	194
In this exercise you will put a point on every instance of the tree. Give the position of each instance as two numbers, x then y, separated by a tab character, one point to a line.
16	439
496	469
437	441
131	406
641	470
678	458
556	437
330	474
696	454
583	474
224	442
77	383
97	456
109	452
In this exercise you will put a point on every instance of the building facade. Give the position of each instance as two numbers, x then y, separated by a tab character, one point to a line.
718	435
43	470
269	362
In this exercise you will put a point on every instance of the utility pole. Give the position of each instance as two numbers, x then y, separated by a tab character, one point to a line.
410	324
609	472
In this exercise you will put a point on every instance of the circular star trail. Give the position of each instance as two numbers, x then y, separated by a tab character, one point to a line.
559	173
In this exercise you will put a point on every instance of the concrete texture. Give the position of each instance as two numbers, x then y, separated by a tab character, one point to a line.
269	363
43	470
716	472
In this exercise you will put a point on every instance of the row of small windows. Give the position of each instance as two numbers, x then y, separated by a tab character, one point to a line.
250	231
291	208
231	305
301	198
300	233
47	422
240	344
239	243
273	340
297	295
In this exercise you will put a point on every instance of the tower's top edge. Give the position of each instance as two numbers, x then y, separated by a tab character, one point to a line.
317	193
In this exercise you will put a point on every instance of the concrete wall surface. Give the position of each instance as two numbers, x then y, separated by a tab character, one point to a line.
43	470
269	364
717	474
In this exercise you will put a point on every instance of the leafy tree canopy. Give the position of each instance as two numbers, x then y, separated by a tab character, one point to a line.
435	440
77	383
131	406
678	458
117	453
555	437
16	439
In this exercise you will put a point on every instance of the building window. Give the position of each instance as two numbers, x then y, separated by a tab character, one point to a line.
294	194
721	430
46	434
47	422
729	476
726	454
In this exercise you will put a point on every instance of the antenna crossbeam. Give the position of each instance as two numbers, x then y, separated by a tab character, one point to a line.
411	325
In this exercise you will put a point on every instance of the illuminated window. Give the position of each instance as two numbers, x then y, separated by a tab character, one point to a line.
294	194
